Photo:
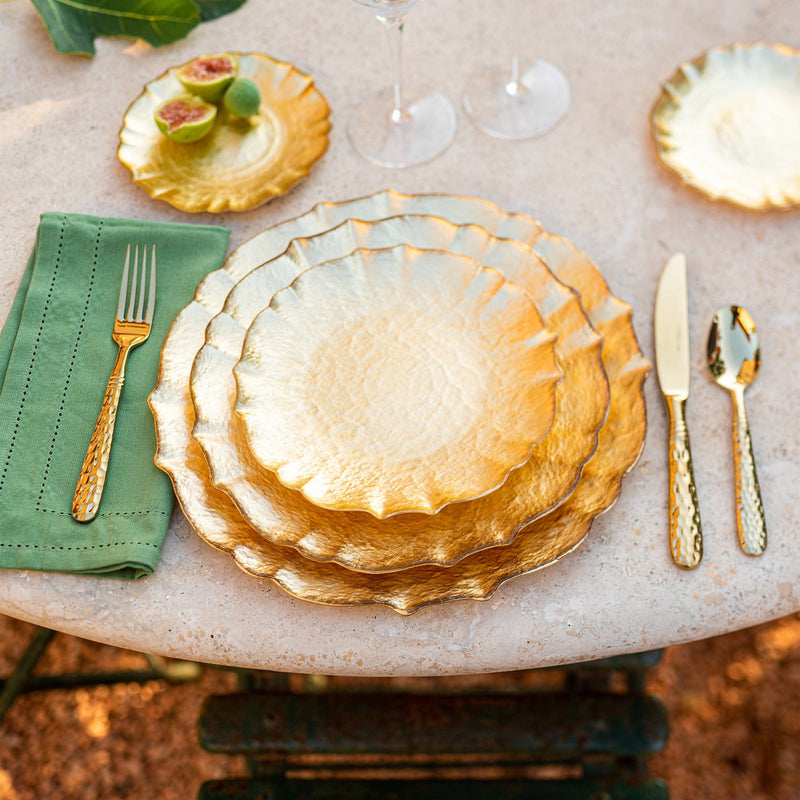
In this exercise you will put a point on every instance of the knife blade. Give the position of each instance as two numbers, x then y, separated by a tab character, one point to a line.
673	369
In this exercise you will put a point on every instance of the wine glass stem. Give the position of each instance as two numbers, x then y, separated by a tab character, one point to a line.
515	86
394	34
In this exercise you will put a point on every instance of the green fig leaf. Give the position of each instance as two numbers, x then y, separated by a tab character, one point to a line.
212	9
74	24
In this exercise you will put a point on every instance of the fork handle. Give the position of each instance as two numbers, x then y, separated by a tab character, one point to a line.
92	480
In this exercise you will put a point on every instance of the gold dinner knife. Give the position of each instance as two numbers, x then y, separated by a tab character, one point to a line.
672	365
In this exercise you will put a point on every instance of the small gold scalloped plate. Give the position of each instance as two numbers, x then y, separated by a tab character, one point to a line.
242	163
217	520
396	380
359	541
728	124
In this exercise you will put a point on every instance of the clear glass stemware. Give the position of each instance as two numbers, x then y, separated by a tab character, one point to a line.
517	101
401	125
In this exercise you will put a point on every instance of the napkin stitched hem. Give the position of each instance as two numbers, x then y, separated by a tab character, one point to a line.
28	545
64	394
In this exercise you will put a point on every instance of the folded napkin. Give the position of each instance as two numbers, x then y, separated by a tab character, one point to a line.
56	354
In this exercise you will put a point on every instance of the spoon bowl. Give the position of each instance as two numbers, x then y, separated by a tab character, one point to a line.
734	351
734	356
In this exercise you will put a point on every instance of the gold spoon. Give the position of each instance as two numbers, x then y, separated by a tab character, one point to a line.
734	356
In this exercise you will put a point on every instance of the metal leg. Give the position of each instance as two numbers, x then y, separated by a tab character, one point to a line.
22	680
15	683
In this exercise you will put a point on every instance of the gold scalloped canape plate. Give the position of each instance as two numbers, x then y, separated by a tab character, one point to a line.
395	381
728	124
217	520
241	163
359	541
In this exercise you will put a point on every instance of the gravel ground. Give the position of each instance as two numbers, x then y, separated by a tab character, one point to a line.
734	705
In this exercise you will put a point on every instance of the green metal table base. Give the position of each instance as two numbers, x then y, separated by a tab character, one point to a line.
586	739
22	679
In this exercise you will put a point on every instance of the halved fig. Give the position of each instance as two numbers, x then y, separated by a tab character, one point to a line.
186	118
209	76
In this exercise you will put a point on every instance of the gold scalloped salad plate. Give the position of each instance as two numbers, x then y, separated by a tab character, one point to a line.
728	124
241	163
396	380
360	541
216	518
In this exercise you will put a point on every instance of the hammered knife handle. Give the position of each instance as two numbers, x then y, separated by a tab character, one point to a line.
750	523
92	479
685	534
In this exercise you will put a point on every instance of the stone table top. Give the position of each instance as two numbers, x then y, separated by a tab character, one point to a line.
595	180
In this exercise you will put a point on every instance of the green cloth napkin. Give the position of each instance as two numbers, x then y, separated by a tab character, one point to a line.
56	354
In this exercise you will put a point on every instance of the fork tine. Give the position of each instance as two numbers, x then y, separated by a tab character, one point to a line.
123	287
132	299
151	299
140	307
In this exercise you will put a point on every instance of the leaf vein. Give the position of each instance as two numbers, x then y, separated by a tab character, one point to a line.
91	9
60	22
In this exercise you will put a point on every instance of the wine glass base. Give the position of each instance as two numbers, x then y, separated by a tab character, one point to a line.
426	130
530	108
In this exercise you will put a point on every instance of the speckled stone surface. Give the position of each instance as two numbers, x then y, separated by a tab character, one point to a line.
595	180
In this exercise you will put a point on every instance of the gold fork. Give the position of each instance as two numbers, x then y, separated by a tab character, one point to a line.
131	328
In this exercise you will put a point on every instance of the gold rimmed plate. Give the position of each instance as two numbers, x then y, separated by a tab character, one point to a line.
396	381
359	541
241	163
728	124
218	521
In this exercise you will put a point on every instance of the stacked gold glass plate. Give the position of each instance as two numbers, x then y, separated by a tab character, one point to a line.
464	535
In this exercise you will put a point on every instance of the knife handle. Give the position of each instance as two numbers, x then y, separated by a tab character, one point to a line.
750	523
685	535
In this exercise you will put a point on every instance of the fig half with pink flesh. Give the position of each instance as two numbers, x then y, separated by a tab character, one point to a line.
209	76
186	118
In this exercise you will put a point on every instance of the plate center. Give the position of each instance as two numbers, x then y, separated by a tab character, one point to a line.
399	384
760	131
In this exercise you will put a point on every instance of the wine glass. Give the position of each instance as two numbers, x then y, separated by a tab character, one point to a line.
401	125
516	101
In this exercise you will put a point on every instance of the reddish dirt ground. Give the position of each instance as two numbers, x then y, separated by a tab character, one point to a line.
733	701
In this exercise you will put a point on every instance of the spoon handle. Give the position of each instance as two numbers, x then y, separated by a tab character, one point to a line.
750	523
685	535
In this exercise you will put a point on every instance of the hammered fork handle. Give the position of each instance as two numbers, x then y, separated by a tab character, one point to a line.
91	482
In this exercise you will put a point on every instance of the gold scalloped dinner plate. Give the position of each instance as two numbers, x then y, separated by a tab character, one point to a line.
359	541
217	520
241	163
728	124
396	380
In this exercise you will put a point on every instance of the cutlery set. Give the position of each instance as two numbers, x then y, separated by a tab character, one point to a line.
733	358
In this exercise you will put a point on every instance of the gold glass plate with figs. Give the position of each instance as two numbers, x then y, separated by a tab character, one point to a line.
728	124
396	380
242	162
218	521
359	541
